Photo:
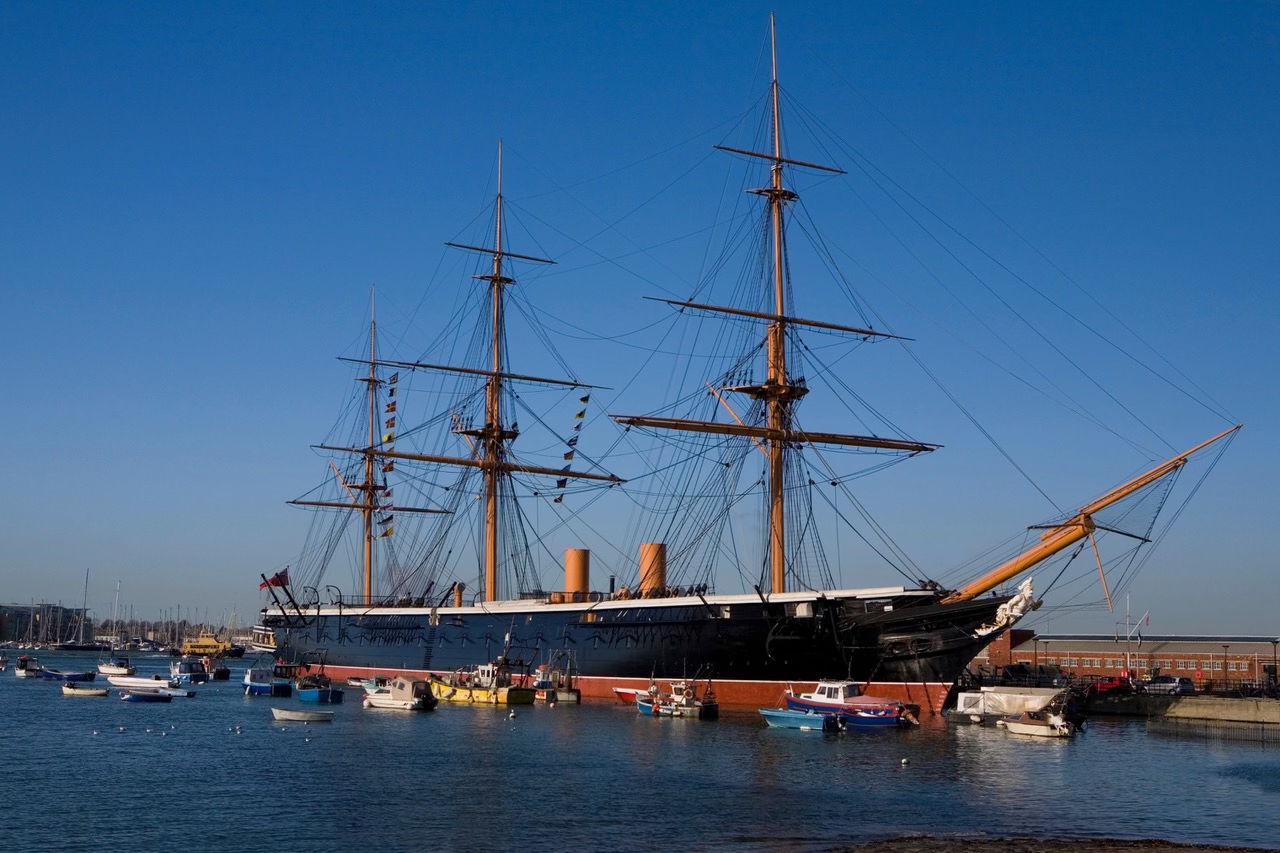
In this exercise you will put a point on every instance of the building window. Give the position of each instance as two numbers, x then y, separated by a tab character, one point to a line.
1216	665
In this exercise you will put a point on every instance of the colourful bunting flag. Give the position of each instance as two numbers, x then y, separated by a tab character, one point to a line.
584	398
391	423
580	415
386	520
569	455
384	534
388	437
560	484
573	442
388	467
391	407
391	392
394	378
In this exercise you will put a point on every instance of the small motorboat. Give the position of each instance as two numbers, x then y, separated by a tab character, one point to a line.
117	665
27	667
145	696
288	715
847	699
682	701
318	688
276	681
141	682
627	695
805	721
59	675
72	688
404	694
355	681
1038	725
189	670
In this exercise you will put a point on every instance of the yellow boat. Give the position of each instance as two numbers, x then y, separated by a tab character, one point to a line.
205	645
486	685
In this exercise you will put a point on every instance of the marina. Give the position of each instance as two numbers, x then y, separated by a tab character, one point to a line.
956	781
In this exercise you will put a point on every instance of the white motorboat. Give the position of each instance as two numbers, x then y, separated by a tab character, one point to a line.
404	694
74	688
989	704
291	716
118	665
1038	725
139	682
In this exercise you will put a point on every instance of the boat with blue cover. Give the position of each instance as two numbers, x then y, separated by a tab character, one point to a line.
59	675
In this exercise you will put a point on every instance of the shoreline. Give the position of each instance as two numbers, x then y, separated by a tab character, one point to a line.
987	844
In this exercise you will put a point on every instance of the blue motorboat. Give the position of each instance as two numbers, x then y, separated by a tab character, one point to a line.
846	700
276	681
808	721
59	675
318	688
189	670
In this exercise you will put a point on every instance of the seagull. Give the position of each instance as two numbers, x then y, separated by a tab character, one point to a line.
511	716
905	762
122	728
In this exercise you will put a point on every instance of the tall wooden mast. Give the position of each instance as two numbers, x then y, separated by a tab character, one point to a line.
366	512
777	392
492	438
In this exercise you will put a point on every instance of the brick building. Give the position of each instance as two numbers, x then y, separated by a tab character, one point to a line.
1202	658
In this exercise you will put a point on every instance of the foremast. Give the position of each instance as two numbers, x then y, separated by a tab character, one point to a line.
490	441
778	393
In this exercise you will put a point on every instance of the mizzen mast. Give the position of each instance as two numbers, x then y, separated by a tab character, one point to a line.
365	496
778	393
491	439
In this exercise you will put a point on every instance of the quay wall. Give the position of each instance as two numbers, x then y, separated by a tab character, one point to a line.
1218	708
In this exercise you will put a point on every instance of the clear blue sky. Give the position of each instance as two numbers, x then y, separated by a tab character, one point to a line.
197	197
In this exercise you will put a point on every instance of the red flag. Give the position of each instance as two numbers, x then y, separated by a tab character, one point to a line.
280	578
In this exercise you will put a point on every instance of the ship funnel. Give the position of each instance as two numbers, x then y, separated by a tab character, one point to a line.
577	574
653	569
458	587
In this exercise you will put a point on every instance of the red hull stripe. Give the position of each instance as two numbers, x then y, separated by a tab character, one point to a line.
928	696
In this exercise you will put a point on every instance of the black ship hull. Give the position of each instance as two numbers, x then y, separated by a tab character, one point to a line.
747	646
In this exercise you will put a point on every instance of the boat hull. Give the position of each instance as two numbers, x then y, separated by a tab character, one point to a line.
291	716
901	645
783	718
320	695
463	695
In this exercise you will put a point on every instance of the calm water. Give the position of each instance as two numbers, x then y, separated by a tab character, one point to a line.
592	777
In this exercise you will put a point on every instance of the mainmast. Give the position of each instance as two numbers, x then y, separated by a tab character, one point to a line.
492	438
777	392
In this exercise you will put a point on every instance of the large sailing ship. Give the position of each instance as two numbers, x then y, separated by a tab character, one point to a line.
907	641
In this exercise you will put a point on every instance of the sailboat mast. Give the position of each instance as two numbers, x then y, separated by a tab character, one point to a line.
84	608
493	446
